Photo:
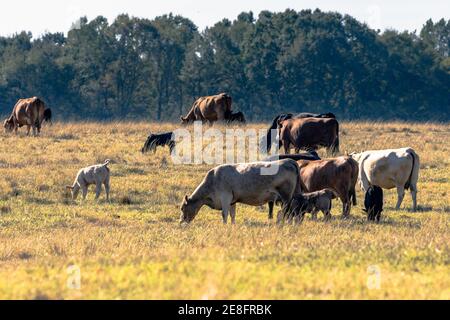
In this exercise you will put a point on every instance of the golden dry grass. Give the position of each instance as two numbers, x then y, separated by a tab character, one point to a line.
137	250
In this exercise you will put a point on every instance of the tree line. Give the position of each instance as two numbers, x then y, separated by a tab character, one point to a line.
291	61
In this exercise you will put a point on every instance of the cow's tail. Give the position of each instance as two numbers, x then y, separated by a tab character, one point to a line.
414	170
354	181
336	143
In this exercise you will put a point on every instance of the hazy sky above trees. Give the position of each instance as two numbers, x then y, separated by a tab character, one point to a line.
58	16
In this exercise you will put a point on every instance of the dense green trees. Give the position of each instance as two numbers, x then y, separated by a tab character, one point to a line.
292	61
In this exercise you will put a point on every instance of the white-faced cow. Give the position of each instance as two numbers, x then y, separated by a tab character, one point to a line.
389	169
253	184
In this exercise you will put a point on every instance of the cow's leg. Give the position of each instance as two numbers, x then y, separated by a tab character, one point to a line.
298	220
233	214
414	196
107	189
287	147
226	200
271	207
314	214
346	206
84	189
28	130
98	190
327	215
401	196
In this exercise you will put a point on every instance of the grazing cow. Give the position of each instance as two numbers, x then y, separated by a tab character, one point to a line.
98	175
210	109
227	185
389	169
287	116
374	203
48	116
237	117
159	140
309	134
309	203
339	174
26	112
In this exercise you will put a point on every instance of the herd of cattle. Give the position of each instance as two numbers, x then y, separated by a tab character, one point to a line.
303	183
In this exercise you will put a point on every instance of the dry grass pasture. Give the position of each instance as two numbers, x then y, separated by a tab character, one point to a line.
134	247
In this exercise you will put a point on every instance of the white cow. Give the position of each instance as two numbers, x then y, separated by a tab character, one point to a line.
389	169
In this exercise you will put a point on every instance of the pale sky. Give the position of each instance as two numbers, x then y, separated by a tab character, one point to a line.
57	16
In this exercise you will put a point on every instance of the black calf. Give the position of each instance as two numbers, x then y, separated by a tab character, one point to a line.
159	140
374	203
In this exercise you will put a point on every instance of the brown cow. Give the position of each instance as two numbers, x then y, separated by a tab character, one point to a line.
26	112
210	109
339	174
309	134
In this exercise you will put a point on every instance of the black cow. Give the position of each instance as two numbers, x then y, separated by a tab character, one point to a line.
236	117
48	115
159	140
374	203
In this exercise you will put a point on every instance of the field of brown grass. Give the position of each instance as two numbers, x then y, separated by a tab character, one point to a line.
134	247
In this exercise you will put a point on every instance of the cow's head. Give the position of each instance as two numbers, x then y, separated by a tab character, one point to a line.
189	210
8	125
184	121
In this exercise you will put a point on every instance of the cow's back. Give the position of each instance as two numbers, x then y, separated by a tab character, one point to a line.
29	111
313	131
249	185
387	168
337	174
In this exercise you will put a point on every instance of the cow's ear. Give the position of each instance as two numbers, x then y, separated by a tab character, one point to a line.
186	199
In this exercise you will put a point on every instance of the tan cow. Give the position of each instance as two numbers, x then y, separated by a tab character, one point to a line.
253	184
339	174
26	112
210	109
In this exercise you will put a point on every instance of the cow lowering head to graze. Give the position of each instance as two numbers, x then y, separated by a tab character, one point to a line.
309	134
210	109
309	203
249	183
374	203
26	112
159	140
267	140
389	169
97	175
237	117
339	174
